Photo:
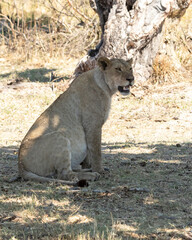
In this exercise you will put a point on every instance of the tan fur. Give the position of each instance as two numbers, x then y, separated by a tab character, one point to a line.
68	133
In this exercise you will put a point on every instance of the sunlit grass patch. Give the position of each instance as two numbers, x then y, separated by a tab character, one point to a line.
77	218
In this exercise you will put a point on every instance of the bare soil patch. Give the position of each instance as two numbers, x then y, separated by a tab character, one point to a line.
147	146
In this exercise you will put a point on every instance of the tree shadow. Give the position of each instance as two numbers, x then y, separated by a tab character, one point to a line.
146	194
161	151
32	75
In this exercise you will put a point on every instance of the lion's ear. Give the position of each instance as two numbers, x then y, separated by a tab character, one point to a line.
103	62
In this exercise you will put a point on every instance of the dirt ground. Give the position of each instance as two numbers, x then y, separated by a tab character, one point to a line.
147	146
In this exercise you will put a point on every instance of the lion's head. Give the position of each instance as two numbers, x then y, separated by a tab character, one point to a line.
118	74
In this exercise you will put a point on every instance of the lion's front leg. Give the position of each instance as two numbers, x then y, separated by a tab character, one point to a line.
93	139
86	164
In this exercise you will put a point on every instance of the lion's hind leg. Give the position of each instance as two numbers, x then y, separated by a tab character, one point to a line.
62	159
46	156
49	155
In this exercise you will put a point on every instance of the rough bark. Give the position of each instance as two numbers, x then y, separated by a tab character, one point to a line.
131	29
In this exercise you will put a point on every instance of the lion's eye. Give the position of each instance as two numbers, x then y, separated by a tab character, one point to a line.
118	69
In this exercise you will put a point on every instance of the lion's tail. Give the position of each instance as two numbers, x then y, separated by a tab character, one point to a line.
34	177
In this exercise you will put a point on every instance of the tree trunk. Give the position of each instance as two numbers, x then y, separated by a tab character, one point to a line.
131	29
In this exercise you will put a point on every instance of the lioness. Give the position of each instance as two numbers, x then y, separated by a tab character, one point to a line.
69	131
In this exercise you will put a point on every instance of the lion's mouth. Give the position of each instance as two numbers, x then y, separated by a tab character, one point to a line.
124	90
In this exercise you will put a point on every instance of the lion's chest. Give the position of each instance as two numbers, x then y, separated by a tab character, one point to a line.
107	108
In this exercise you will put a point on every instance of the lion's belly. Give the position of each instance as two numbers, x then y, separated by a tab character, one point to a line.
78	155
78	149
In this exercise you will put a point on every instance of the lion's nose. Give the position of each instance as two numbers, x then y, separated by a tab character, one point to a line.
131	81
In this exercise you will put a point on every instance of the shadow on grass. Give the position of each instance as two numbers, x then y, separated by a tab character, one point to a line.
33	75
159	208
162	152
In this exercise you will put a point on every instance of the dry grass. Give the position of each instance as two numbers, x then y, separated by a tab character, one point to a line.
40	37
37	31
146	144
147	194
